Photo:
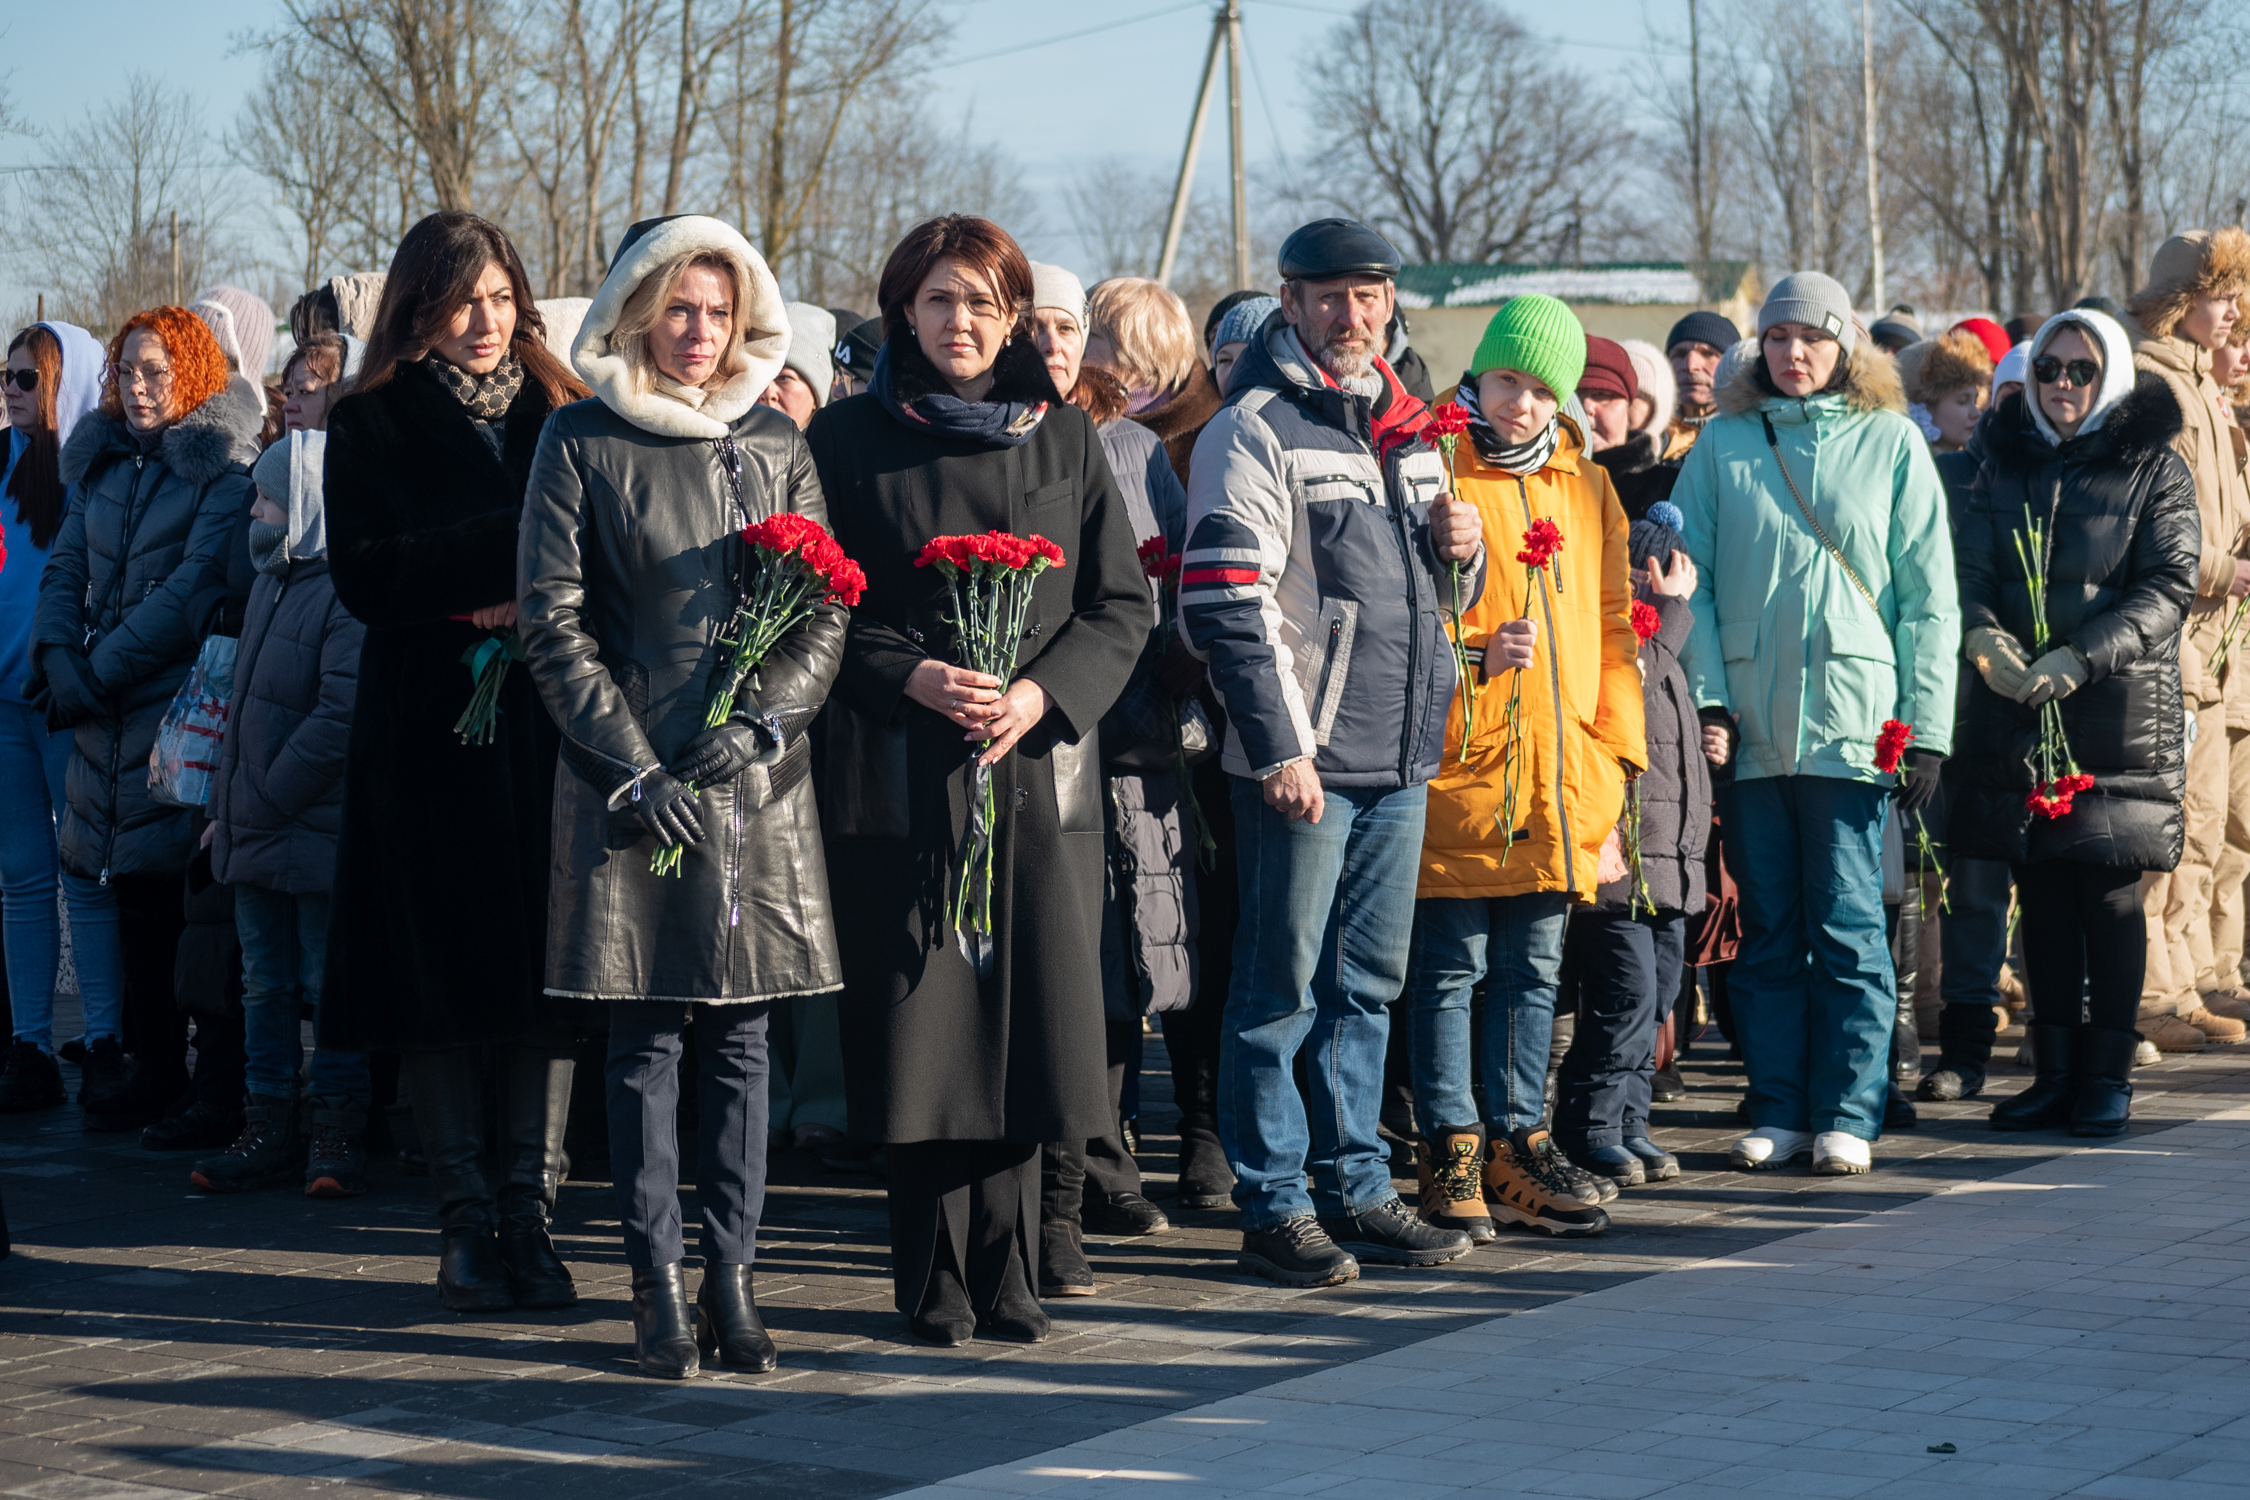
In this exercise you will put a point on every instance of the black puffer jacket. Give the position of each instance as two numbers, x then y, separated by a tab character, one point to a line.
2120	572
1675	791
143	536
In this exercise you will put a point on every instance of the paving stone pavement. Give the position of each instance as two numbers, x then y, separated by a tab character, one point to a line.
155	1342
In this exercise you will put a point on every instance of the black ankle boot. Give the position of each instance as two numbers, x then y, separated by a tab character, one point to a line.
727	1322
2046	1104
663	1335
1016	1315
945	1318
470	1275
1965	1034
536	1275
2104	1104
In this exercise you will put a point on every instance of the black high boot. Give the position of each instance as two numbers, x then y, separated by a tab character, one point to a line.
536	1110
448	1089
727	1321
1205	1179
2104	1104
2046	1104
1063	1271
1965	1034
663	1334
1906	967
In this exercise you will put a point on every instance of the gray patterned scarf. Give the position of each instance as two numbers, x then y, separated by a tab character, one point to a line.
487	396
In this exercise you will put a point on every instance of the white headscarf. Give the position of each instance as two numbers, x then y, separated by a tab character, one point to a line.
2118	374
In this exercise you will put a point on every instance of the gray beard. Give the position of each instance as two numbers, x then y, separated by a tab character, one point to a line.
1355	372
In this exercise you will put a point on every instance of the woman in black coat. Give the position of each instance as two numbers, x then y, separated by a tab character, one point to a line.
438	943
633	564
2084	453
963	1073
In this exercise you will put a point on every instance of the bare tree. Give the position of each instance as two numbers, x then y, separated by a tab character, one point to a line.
298	133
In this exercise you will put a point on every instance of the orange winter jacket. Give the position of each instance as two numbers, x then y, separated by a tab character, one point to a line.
1581	704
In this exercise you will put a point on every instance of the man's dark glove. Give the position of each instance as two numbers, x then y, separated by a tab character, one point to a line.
716	756
667	809
73	696
1922	768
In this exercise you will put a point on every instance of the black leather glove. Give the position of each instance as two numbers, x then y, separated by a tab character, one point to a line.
73	696
667	809
1922	768
716	756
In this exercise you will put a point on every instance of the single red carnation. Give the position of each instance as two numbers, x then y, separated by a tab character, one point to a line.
1890	745
938	552
1153	555
1041	547
1448	421
1540	544
1645	620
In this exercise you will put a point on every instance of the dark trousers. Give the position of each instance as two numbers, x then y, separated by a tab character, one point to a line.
1110	1168
1191	1036
151	915
1626	968
2083	935
643	1078
963	1219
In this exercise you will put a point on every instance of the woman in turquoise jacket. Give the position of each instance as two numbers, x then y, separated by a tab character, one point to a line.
1825	607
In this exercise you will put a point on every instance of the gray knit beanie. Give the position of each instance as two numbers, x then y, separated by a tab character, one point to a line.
1815	300
1242	321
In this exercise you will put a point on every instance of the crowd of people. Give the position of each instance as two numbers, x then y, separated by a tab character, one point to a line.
1426	763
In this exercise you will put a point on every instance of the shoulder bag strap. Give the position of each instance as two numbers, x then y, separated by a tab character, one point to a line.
1773	441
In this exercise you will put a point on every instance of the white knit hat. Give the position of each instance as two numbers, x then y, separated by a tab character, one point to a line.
812	348
1052	286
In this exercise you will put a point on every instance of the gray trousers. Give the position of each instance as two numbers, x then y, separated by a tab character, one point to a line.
645	1042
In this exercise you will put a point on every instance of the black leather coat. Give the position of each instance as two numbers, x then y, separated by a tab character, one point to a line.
2120	574
631	564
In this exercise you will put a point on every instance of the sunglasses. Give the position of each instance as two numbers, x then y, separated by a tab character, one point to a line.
2083	373
22	380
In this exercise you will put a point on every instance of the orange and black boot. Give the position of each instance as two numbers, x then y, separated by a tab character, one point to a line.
1522	1186
1450	1169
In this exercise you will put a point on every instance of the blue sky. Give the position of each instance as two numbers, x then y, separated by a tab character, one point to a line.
1125	91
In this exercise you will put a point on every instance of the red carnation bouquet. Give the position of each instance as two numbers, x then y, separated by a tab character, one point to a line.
1541	541
1890	748
1646	621
1448	424
990	577
795	567
1163	568
2056	780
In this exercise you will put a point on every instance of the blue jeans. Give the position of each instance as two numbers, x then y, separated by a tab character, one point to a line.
1458	942
284	952
1812	985
1327	911
1973	937
32	763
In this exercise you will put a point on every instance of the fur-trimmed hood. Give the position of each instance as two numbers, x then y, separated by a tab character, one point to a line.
627	390
2200	263
1870	384
2139	426
199	447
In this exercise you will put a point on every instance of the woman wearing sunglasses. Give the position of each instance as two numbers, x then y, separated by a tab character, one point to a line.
2080	482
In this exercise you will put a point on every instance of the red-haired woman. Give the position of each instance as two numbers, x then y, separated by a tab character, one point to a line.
54	379
437	944
161	475
963	1068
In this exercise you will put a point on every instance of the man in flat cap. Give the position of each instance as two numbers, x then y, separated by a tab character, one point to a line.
1317	578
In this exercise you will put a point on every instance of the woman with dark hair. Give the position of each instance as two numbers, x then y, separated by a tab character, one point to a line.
54	378
438	944
963	1068
633	565
161	483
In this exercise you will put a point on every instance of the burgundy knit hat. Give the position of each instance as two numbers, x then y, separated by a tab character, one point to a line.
1609	370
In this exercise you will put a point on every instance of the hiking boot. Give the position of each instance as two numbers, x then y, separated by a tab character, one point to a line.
1126	1214
102	1074
1590	1189
2224	1030
1666	1086
2172	1033
29	1079
1296	1252
264	1155
2046	1104
1611	1163
2232	1002
336	1161
1659	1164
198	1127
1450	1172
1522	1187
1387	1235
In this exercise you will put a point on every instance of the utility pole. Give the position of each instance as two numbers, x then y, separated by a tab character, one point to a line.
1877	301
1226	30
1234	142
175	257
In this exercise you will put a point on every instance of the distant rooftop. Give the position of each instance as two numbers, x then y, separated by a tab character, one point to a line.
1676	282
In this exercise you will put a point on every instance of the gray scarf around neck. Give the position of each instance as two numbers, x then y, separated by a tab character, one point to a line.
1526	457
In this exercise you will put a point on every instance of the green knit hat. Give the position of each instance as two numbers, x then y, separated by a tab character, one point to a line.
1538	335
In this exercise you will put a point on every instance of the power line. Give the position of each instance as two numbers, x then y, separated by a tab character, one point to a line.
1068	36
1646	49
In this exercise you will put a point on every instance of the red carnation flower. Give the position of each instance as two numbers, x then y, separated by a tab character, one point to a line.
1890	745
1645	620
784	532
1448	421
1540	544
1048	550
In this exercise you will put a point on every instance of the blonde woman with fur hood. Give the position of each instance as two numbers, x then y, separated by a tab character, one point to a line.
631	566
1825	605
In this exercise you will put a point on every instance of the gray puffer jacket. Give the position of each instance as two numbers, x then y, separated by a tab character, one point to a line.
278	797
143	531
1675	790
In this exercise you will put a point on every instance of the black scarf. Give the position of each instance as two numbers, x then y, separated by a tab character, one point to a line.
486	396
1527	457
1002	421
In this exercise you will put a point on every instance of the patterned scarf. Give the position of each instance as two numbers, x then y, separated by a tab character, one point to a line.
1002	424
487	397
1527	457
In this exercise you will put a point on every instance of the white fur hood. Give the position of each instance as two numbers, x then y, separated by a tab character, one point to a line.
764	317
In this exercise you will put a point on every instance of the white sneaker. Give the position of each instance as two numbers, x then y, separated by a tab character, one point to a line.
1837	1153
1769	1146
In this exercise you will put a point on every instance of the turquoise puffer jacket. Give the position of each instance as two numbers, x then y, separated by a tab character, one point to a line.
1782	639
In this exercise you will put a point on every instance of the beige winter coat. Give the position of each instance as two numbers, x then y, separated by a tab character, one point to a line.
2214	450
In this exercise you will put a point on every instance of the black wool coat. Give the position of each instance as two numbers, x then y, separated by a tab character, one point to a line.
931	1051
2121	571
439	931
